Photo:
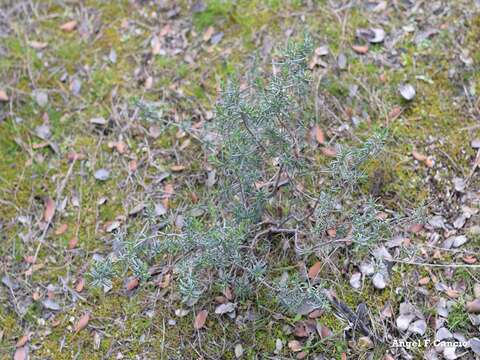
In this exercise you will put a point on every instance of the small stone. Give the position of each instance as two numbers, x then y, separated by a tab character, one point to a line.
378	281
437	221
98	121
459	222
474	319
476	143
367	268
342	61
476	290
442	308
449	353
403	321
238	351
355	281
475	345
459	240
41	98
442	334
51	305
225	308
278	346
418	327
102	174
459	184
43	132
407	91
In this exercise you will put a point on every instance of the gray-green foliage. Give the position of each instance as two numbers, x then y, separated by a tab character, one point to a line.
261	128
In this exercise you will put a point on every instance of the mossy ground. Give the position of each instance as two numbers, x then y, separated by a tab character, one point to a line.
439	123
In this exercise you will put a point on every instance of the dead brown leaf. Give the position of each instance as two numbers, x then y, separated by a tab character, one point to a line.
424	280
49	210
61	229
82	322
473	306
21	353
314	270
72	244
132	284
119	146
3	95
207	35
328	151
360	49
200	319
177	168
73	156
132	166
80	285
418	156
37	45
69	26
22	341
319	135
165	281
469	259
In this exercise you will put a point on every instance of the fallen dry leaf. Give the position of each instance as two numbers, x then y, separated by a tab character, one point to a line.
429	162
80	285
452	293
315	314
165	281
156	46
314	270
49	210
228	293
3	95
73	156
295	345
207	35
324	332
319	135
61	229
418	156
177	168
329	151
168	192
394	113
300	330
200	319
82	322
22	341
415	228
469	259
69	26
424	281
360	49
37	45
132	284
21	353
473	306
120	146
132	166
72	244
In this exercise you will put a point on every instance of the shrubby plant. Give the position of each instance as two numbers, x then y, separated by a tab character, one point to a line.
262	126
